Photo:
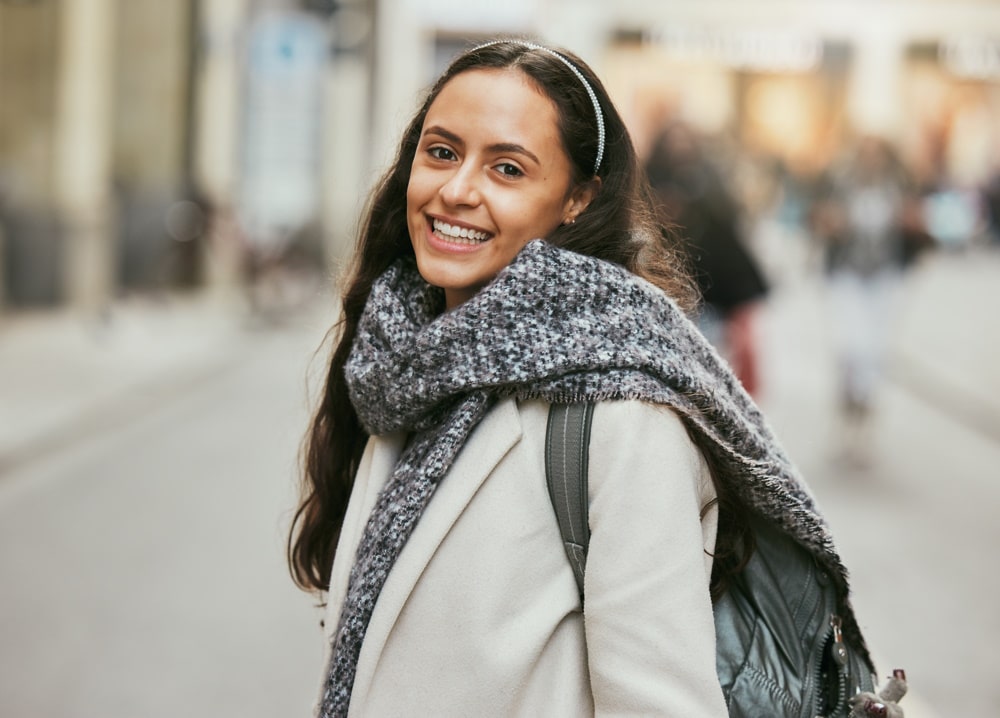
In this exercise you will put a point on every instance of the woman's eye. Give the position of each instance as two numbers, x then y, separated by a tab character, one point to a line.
509	170
441	153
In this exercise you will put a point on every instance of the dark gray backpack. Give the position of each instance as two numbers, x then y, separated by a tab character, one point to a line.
779	649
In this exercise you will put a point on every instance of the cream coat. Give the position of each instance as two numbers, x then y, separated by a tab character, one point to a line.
480	615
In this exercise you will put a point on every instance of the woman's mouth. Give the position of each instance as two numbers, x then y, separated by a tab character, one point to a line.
458	235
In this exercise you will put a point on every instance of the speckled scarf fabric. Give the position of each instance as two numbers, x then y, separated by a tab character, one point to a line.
553	325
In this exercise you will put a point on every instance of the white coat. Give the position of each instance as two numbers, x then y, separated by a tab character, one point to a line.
480	615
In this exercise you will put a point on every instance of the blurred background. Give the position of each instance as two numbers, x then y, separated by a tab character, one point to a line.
179	185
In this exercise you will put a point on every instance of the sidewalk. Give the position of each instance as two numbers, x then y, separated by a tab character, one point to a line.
946	343
149	472
64	377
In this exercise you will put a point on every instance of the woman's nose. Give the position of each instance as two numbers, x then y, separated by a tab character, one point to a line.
462	188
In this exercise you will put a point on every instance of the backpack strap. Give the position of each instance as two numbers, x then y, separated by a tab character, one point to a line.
754	615
567	444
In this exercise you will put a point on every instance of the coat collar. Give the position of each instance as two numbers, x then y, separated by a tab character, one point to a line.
491	440
381	455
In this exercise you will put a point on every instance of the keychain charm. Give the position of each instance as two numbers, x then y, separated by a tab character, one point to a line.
883	705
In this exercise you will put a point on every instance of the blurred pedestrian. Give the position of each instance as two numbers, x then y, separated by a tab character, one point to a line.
868	221
692	195
510	260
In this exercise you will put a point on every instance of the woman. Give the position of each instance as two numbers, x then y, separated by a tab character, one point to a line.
449	592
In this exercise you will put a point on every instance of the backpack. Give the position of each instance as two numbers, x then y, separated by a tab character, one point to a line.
779	648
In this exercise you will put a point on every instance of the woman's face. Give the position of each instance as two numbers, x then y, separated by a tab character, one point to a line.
489	175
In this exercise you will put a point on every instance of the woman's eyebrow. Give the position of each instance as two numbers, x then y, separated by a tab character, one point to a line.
514	148
446	134
507	147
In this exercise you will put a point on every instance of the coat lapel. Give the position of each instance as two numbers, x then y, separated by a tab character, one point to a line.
489	442
381	456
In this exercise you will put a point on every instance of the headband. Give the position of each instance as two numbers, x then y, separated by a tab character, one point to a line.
579	75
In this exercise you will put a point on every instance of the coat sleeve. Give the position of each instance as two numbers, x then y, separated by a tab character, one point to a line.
648	614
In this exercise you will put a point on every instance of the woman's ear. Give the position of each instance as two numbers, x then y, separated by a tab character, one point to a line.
581	196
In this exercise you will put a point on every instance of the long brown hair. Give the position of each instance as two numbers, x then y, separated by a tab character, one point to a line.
619	225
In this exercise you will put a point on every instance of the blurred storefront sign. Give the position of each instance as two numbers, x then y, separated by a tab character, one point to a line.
762	50
462	15
281	140
774	90
973	57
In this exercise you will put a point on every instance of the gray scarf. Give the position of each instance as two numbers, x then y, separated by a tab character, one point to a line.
552	325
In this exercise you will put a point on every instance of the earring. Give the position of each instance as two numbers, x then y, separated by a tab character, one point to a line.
569	220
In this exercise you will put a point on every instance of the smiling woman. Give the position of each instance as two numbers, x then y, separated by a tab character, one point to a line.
509	261
489	175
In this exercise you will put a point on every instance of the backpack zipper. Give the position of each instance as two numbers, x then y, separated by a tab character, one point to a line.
833	638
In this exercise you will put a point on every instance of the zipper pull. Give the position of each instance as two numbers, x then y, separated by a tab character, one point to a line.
838	650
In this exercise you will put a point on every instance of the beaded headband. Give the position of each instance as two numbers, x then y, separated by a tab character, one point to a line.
579	76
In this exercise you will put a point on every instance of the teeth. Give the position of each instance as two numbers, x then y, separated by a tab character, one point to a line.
461	235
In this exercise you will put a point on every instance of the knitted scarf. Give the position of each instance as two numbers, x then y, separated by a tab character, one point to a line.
552	325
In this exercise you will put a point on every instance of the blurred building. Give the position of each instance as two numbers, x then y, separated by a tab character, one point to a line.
150	145
94	137
153	145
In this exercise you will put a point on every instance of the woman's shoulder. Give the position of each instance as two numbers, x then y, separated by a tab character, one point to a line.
634	438
635	413
630	425
642	467
615	416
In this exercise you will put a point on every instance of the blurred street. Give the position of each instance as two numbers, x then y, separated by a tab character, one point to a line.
148	468
146	482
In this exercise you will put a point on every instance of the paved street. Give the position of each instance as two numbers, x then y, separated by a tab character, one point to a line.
143	560
146	472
